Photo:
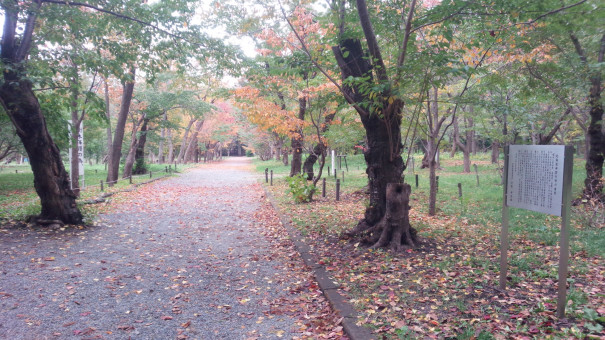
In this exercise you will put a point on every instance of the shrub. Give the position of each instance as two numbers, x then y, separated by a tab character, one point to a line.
301	190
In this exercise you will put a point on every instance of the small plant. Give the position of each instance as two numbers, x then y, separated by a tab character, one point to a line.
301	190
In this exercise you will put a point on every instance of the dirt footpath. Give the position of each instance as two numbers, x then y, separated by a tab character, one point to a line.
198	256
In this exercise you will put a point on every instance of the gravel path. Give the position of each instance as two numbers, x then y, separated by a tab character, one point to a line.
188	257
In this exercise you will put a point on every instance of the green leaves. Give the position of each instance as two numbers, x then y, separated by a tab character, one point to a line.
300	189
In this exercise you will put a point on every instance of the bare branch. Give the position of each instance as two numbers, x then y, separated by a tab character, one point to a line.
305	49
368	30
406	37
30	25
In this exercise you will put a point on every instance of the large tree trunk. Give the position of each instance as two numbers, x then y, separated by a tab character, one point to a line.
285	156
139	156
593	185
432	187
185	141
467	145
75	133
134	142
51	181
116	150
297	141
108	114
495	152
318	150
75	159
170	147
192	145
383	153
395	229
161	157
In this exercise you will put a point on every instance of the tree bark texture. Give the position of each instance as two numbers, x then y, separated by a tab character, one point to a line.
318	150
108	114
297	140
594	183
192	143
170	147
51	181
495	152
185	140
139	156
113	169
394	229
383	153
129	161
161	156
75	133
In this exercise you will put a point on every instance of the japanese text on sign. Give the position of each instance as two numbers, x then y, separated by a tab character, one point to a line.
535	178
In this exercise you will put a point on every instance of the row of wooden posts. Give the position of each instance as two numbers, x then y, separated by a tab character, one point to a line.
269	179
168	170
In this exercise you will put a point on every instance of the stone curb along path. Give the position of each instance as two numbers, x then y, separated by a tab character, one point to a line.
325	282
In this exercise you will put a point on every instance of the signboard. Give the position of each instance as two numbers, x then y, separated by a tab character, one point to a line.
538	178
535	178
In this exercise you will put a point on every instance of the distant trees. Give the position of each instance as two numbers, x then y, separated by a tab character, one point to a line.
136	35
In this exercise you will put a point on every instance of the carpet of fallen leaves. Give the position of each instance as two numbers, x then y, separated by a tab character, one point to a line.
165	260
447	288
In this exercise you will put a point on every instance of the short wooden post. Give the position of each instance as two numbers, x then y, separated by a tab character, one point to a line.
460	190
343	176
564	243
166	170
170	168
130	179
337	189
323	188
329	170
266	175
271	177
416	180
95	171
476	173
175	166
437	183
335	173
150	174
16	171
101	185
346	165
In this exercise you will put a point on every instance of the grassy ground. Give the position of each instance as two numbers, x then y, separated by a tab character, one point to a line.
18	200
447	288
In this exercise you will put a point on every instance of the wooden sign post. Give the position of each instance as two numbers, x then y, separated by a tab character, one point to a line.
538	178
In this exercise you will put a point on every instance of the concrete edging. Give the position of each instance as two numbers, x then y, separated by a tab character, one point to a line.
325	282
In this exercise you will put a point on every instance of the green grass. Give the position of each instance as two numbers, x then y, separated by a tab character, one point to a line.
480	204
18	199
472	225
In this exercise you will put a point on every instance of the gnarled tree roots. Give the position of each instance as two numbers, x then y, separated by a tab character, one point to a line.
393	230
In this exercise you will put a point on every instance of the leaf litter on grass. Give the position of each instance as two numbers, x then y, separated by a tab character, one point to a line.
448	287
